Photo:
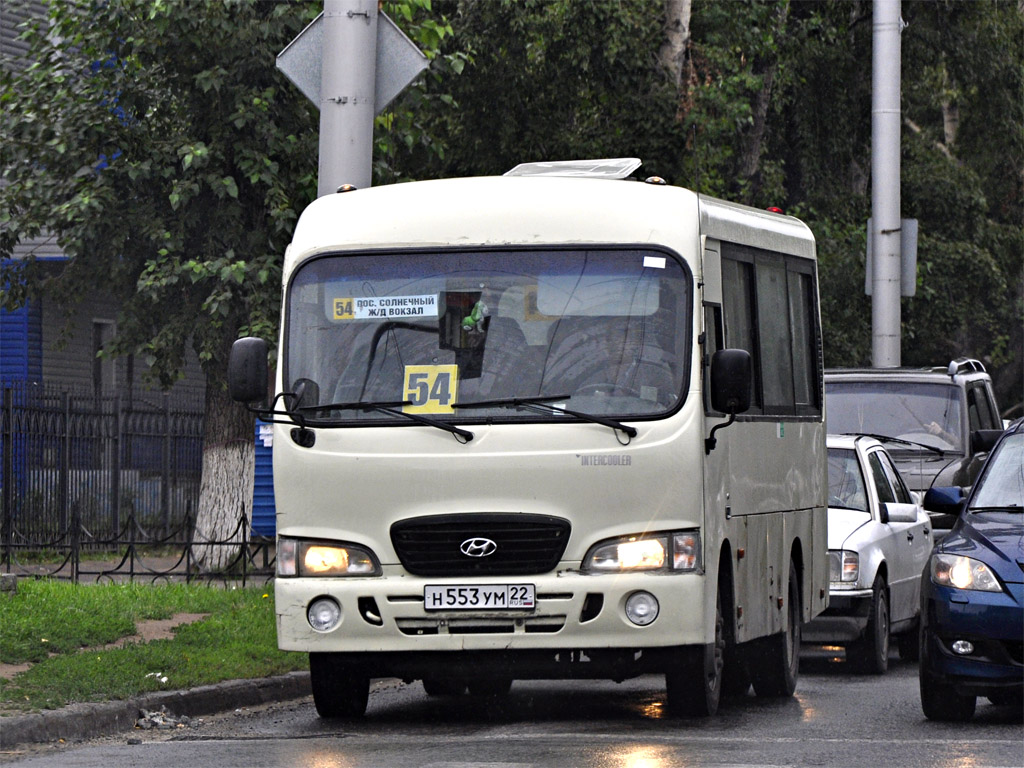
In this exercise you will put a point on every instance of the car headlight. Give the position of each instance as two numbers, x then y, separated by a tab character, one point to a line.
678	551
962	572
301	557
843	566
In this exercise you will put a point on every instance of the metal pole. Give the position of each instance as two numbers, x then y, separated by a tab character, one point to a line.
115	475
165	469
885	184
65	461
348	74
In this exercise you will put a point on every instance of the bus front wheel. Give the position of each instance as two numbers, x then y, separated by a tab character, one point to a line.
339	691
694	689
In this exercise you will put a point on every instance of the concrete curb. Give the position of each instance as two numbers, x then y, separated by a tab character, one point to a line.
89	721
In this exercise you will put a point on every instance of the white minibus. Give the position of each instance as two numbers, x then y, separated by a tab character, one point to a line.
558	424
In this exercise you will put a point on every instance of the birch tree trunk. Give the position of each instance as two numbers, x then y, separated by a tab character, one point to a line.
950	109
753	142
225	490
674	53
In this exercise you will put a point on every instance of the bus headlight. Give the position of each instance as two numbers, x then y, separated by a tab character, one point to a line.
301	557
646	552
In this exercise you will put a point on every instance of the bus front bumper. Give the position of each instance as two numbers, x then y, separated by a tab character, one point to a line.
572	611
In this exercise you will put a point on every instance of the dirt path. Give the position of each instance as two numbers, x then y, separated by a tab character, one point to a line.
146	630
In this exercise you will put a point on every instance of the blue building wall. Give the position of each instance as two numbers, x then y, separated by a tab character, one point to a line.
21	361
264	512
21	344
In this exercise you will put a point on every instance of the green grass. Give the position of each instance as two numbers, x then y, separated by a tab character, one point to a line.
59	626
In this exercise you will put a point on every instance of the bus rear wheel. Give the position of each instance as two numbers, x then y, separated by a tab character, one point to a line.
775	674
339	691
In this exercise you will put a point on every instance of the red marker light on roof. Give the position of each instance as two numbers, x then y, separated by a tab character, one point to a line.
774	209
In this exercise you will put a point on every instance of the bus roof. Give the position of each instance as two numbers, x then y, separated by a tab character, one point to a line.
534	210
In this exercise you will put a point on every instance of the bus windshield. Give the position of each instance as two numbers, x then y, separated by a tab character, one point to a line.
600	331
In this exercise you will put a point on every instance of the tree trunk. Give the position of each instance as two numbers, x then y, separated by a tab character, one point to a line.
673	53
753	142
225	491
950	110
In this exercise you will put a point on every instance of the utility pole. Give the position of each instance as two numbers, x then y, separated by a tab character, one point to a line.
351	62
885	184
347	82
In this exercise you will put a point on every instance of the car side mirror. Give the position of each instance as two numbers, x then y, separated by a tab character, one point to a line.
944	501
984	440
248	370
899	513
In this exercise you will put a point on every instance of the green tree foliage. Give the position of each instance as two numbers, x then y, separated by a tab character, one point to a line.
552	79
776	110
169	158
963	151
403	129
159	144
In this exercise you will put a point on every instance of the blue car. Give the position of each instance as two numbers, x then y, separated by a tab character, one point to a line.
972	590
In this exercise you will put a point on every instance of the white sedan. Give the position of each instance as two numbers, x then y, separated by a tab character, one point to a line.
879	539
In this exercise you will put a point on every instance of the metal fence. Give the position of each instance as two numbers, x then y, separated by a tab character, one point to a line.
104	458
112	474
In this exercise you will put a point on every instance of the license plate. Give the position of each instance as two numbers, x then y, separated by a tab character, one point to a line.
480	597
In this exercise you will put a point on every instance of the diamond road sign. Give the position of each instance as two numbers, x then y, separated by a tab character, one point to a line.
398	61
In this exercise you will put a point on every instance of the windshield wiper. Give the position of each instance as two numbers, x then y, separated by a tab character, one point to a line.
541	405
901	441
1007	508
391	408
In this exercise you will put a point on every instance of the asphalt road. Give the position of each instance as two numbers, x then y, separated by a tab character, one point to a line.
836	719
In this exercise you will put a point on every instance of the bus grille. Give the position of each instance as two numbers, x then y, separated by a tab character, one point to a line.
524	544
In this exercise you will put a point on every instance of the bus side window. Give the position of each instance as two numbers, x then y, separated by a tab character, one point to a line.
738	316
769	310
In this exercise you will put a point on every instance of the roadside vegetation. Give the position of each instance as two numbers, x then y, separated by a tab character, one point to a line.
169	159
62	628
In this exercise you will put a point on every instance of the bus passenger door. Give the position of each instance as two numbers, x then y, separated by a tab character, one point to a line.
719	523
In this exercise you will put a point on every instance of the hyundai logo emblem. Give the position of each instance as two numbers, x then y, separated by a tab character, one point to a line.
478	547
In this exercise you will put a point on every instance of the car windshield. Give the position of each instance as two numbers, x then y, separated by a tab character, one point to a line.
920	412
602	332
1001	485
845	481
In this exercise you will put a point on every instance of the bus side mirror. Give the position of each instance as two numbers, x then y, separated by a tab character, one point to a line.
248	370
730	383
